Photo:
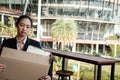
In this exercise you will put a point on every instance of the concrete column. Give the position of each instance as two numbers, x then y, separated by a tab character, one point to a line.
25	7
104	49
39	21
77	47
74	47
10	7
92	47
2	18
97	47
54	45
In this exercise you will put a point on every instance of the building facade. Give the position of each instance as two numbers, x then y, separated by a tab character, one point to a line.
96	19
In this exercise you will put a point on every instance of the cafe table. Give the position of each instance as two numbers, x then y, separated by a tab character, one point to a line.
97	61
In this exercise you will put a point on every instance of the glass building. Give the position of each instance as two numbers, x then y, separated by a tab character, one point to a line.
96	19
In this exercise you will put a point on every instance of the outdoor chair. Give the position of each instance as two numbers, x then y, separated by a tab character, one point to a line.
64	73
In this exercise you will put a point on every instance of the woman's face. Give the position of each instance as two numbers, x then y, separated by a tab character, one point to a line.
23	27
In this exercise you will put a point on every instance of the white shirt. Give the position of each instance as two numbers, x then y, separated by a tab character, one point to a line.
20	44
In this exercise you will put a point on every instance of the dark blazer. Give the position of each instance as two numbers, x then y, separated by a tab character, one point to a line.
12	43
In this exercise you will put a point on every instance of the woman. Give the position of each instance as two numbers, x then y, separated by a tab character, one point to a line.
22	41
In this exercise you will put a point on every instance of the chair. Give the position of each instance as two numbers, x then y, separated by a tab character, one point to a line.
64	73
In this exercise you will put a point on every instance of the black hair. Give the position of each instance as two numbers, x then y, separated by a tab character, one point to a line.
22	17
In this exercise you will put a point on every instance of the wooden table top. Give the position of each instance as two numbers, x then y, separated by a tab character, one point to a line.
83	57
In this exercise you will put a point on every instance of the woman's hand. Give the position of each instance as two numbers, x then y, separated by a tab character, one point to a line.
2	67
45	78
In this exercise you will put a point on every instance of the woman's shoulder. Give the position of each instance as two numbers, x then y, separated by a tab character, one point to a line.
9	40
34	43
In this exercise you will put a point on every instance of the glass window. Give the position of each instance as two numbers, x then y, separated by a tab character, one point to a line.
60	1
83	12
52	11
75	12
67	11
44	11
52	1
59	12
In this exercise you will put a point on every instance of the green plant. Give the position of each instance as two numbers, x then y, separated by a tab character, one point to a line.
64	31
97	54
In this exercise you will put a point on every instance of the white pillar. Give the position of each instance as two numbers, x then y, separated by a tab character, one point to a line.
10	7
74	47
104	49
25	7
54	45
97	47
39	21
2	18
92	46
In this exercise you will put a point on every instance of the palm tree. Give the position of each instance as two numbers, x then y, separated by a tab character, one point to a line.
11	30
2	28
64	31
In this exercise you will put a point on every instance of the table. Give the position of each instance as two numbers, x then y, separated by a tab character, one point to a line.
99	61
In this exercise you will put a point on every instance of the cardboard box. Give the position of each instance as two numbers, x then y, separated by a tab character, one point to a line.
23	65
